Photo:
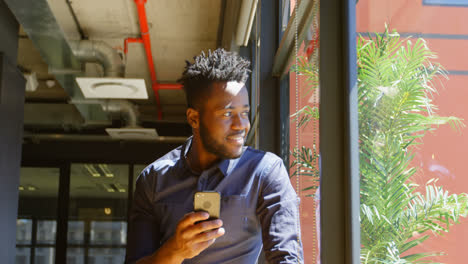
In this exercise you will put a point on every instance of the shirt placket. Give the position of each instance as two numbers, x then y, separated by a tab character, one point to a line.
202	181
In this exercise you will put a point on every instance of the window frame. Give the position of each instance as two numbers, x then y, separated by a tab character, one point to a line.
339	187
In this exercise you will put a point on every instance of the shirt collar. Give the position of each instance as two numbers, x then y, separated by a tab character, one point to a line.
225	165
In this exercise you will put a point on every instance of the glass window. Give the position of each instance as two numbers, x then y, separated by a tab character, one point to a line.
75	255
108	233
106	255
23	231
304	144
44	256
76	232
98	210
23	255
46	230
412	76
37	210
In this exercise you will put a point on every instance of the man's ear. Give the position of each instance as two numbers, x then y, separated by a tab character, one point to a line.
193	118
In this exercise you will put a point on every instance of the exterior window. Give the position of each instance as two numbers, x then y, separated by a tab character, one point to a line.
412	76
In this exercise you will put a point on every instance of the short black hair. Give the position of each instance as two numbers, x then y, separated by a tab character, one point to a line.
217	66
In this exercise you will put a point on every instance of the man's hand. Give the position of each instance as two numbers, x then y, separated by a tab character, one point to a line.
190	238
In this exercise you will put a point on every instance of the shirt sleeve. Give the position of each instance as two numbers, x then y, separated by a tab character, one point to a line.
143	233
279	216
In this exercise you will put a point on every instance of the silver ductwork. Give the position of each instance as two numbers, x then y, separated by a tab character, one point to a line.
102	53
99	52
125	107
115	106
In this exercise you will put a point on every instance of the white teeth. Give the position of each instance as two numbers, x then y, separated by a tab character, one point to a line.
236	137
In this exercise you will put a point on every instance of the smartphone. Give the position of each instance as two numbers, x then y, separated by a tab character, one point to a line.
209	202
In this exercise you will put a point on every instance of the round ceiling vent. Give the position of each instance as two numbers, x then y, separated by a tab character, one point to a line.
132	133
115	88
112	87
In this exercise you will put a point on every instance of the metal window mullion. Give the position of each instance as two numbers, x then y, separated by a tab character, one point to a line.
33	241
339	205
87	239
62	214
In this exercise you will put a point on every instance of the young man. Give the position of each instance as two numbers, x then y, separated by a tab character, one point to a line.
258	204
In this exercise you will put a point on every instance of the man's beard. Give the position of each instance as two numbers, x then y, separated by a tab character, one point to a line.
214	147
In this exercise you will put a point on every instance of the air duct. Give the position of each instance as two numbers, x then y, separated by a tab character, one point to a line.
99	52
122	106
115	106
102	53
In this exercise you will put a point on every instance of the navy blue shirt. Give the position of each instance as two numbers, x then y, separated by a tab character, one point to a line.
258	207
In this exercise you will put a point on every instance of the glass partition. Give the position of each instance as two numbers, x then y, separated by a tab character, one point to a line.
98	213
37	215
412	76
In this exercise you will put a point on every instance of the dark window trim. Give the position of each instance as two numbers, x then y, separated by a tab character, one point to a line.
62	214
448	3
339	187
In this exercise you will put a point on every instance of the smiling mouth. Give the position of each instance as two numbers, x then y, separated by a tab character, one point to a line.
239	138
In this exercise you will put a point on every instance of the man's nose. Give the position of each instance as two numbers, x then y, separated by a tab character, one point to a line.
240	122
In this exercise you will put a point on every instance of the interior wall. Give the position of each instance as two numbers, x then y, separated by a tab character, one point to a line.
12	86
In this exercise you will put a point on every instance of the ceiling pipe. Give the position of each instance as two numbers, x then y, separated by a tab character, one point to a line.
125	107
116	106
145	38
130	40
100	52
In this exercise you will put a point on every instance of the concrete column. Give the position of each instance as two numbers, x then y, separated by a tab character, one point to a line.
12	86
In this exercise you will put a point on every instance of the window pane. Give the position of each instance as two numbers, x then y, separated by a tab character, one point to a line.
23	231
46	232
75	232
75	255
412	76
108	233
23	255
38	193
304	144
106	255
44	256
98	208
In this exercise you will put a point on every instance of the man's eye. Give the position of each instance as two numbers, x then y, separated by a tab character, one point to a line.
227	114
246	113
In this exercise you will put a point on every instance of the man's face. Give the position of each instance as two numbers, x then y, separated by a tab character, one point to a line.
224	120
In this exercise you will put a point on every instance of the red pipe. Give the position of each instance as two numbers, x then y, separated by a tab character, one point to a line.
145	39
169	86
131	40
140	4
